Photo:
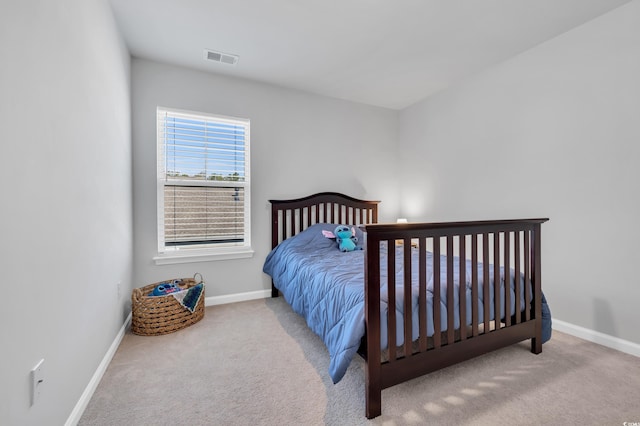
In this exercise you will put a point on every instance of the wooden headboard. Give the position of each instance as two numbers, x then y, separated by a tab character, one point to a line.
289	217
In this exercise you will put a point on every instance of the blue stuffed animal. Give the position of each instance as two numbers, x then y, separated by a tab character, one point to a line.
165	288
345	239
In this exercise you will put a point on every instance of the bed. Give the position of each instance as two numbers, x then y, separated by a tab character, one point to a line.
434	274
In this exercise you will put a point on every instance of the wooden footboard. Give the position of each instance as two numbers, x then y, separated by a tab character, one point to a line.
499	245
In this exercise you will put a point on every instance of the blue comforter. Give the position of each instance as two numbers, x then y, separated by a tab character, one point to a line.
326	286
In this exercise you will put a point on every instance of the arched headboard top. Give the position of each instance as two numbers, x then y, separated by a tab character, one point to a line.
289	217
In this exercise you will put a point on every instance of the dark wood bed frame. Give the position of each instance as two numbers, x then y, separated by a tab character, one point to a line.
514	243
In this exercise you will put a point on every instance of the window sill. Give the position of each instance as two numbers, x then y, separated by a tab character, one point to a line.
204	255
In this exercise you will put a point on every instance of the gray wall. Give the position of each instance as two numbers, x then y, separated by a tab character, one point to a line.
300	144
552	132
66	221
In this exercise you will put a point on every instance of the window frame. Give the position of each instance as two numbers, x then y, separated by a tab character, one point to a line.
169	254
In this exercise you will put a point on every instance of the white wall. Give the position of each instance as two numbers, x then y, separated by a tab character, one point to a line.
66	213
300	144
550	133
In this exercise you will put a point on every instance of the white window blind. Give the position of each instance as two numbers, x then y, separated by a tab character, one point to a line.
203	180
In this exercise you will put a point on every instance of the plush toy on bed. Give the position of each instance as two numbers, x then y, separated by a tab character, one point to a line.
345	237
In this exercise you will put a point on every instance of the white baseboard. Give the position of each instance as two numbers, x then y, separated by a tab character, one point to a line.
597	337
239	297
78	410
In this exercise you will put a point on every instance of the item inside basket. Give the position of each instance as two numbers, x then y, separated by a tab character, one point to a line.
166	287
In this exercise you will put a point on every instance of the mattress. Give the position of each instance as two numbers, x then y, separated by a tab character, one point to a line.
326	287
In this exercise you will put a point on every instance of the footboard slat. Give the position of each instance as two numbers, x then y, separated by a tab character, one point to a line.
463	286
527	277
475	301
450	288
391	291
518	294
485	282
507	279
496	280
436	293
408	301
422	295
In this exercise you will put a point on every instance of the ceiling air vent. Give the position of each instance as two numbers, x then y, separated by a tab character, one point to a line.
224	58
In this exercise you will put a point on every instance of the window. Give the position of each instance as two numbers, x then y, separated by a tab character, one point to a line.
203	186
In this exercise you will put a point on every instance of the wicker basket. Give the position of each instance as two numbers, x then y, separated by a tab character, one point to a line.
156	315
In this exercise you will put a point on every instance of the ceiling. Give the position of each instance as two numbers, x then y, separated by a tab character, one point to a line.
389	53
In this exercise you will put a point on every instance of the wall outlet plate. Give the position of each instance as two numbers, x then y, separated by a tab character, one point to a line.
37	381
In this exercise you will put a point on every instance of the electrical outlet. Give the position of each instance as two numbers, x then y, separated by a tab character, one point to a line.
37	381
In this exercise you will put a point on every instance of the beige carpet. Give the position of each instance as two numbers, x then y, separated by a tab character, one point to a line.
256	363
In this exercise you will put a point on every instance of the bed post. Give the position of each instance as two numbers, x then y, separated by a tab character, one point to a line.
373	378
536	342
274	240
